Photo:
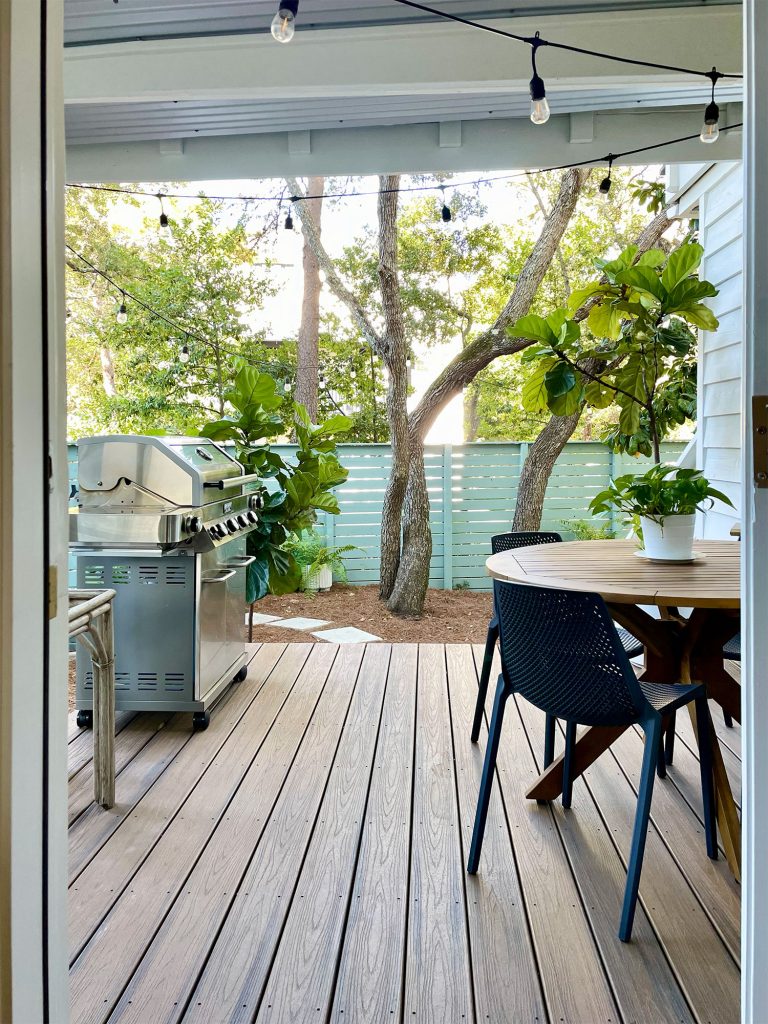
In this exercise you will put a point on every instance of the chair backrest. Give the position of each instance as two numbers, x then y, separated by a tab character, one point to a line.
561	651
522	539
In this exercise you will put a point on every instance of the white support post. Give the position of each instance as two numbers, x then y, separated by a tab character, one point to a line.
754	692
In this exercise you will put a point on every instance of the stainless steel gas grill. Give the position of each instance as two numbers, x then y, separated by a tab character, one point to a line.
163	522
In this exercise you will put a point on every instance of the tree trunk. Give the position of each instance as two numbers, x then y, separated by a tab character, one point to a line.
410	588
395	359
107	371
471	414
309	329
542	456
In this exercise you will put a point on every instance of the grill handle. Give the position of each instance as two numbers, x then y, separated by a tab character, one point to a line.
221	577
241	561
233	481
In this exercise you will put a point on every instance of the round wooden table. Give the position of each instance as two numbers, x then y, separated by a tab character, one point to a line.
678	649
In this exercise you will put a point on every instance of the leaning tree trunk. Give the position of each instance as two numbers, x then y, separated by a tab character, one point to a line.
410	588
394	350
537	469
307	349
471	413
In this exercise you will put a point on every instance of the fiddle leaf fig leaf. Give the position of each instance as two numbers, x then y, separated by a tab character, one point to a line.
534	391
683	262
559	380
534	327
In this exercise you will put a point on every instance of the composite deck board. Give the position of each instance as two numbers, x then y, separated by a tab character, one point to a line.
438	984
668	901
369	985
572	974
643	981
141	823
301	982
164	981
498	925
309	851
80	747
100	973
681	830
233	982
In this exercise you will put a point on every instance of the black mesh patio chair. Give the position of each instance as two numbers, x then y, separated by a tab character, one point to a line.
507	542
560	651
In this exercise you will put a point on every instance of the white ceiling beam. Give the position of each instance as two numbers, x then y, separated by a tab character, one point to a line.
486	145
405	59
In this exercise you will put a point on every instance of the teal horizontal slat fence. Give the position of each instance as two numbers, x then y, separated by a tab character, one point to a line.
472	494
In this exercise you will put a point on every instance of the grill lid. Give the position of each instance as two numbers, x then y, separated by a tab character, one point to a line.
134	468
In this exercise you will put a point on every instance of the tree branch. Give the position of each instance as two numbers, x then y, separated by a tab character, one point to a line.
494	341
332	276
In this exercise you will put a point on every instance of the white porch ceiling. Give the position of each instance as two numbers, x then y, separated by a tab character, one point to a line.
99	21
149	82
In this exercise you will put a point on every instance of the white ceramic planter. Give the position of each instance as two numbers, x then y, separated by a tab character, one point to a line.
319	580
672	541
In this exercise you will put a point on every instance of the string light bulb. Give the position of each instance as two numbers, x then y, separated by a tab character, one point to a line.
288	226
184	354
122	313
165	227
539	102
445	213
710	131
605	184
284	22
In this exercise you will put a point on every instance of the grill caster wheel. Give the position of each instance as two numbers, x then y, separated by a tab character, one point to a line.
241	675
85	719
200	721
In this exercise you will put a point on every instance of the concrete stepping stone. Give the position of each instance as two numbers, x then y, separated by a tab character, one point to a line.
260	619
301	623
346	635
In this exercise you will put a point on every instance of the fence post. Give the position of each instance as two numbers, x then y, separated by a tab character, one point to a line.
611	471
447	517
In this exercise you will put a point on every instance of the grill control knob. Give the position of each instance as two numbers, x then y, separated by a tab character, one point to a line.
256	501
242	521
193	524
232	525
252	518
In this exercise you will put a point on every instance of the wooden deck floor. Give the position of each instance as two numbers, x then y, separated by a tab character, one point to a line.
303	860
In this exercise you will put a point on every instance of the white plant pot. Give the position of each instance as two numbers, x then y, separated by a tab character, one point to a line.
321	579
670	542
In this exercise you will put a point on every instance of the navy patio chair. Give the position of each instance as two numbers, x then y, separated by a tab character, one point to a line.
560	651
507	542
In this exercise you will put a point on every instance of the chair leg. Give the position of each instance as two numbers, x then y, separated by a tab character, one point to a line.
727	719
661	759
549	740
640	831
707	781
570	740
486	783
669	749
485	675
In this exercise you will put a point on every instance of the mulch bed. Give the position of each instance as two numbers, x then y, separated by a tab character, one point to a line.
450	616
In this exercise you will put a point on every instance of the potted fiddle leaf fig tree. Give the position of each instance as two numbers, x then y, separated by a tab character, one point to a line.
662	503
296	491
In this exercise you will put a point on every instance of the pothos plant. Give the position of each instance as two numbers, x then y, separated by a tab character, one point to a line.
295	491
635	347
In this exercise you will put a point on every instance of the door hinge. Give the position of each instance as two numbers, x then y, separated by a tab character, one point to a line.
760	439
53	591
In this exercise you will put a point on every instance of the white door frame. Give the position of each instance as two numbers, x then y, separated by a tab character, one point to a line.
754	937
33	473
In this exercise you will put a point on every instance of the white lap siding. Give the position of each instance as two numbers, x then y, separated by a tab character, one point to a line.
715	196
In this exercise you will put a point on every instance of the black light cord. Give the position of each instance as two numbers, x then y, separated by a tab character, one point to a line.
407	188
559	46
